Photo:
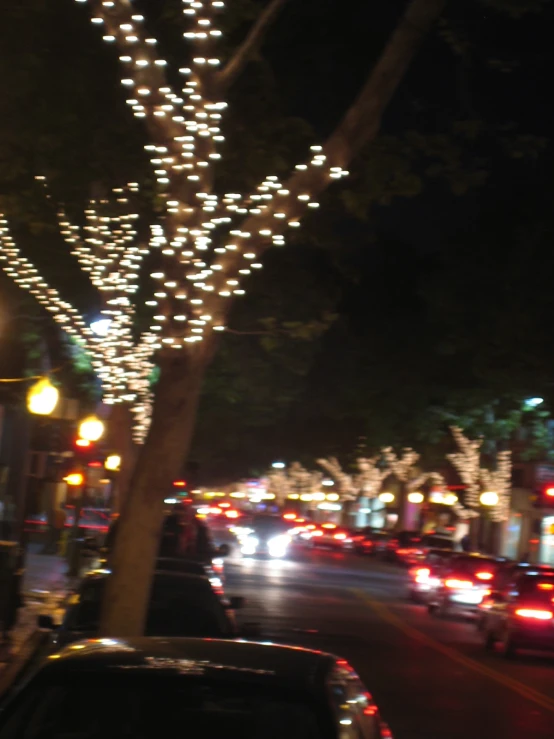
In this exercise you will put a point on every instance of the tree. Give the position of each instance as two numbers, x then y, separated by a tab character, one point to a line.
403	467
365	483
499	481
207	242
294	480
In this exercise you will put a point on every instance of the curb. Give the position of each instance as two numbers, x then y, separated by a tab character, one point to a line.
24	655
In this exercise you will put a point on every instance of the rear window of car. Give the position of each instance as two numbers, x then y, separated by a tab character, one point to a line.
472	565
153	705
440	542
405	538
539	588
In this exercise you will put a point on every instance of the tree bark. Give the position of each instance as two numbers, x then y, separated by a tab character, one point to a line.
120	441
249	46
160	462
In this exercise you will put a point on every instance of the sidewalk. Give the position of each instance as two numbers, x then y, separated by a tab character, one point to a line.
45	589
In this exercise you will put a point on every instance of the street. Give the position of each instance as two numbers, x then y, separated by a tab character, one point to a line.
431	677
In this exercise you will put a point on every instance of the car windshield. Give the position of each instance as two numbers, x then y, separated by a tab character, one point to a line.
270	525
148	706
178	607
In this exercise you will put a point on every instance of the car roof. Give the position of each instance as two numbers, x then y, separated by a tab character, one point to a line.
237	661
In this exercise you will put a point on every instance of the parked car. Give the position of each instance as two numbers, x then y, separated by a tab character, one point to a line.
180	605
151	688
463	584
521	616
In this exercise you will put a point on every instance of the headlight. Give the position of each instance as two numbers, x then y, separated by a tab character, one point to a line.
278	546
249	545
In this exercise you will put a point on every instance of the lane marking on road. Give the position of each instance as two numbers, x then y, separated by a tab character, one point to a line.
518	687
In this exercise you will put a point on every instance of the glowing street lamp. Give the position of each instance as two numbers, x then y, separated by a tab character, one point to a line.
113	462
91	429
278	465
489	498
386	497
74	479
42	398
416	498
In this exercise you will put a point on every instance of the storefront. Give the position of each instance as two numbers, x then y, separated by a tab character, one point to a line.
546	553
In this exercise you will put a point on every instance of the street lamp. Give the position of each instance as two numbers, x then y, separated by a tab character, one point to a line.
489	499
113	463
42	398
91	429
74	479
416	498
386	497
533	402
278	465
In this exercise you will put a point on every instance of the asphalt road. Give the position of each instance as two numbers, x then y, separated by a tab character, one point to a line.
432	678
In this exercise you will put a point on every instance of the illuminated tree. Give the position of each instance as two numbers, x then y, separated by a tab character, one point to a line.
106	249
207	242
467	462
499	482
344	483
294	480
404	468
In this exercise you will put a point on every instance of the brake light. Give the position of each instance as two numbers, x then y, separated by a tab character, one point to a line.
317	533
459	584
289	516
328	525
534	613
545	586
340	536
484	575
408	551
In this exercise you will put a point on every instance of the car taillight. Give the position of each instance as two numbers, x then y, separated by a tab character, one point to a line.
484	575
458	584
317	533
535	613
422	574
545	586
340	536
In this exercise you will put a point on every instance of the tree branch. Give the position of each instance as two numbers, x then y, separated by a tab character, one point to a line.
27	277
358	127
249	46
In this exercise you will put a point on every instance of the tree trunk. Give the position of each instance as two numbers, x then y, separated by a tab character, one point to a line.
402	501
120	441
160	462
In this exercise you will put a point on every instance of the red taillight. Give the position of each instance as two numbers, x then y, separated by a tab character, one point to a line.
545	586
317	533
422	574
340	536
484	575
535	613
458	584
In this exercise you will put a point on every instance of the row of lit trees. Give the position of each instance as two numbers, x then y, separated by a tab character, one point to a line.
483	487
